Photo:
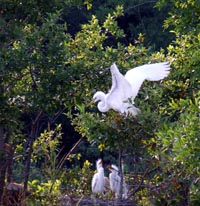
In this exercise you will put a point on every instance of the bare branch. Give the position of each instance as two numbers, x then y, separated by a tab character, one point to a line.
138	5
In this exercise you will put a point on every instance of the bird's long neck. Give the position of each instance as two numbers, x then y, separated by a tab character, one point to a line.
101	171
102	105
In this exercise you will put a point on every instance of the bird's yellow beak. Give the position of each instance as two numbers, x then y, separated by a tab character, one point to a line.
94	100
100	161
109	167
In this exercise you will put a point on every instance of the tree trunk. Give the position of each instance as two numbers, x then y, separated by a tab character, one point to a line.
2	164
184	195
30	140
120	171
10	153
28	161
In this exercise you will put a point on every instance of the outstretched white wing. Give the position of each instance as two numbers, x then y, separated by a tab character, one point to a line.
151	72
120	90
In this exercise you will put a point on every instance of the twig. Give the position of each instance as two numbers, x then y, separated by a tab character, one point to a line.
33	79
80	200
142	179
138	5
67	155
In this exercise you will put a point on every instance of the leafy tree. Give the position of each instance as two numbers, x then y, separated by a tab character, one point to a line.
139	17
112	132
172	149
32	61
177	140
45	70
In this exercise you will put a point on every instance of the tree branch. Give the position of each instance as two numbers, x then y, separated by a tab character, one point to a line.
138	5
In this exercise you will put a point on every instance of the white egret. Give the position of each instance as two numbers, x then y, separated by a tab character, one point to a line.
125	88
98	178
115	180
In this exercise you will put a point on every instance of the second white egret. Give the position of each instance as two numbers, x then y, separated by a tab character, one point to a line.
115	180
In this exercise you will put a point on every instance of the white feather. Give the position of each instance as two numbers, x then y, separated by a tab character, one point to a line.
125	88
98	178
150	72
115	180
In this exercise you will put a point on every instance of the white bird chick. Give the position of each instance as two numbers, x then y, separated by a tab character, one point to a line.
115	180
125	88
98	178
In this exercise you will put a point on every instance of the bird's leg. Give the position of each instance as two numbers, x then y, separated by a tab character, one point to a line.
102	195
124	115
113	195
93	197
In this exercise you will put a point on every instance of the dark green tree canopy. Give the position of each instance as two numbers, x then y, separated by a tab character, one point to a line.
55	55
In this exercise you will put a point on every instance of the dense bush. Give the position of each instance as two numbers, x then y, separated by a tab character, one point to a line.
49	68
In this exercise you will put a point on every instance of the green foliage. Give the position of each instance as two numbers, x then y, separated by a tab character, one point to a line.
46	147
78	180
169	124
184	15
45	152
111	132
177	140
181	136
45	69
138	17
41	194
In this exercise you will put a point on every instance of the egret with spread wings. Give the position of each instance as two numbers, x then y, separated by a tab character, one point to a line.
125	88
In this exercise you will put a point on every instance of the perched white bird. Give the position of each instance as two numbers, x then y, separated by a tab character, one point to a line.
125	88
115	180
98	178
